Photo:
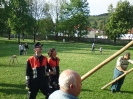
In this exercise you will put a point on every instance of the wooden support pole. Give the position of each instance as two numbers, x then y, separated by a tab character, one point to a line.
106	61
12	59
117	78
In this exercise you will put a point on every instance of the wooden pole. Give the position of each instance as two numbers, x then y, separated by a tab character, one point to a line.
106	61
117	78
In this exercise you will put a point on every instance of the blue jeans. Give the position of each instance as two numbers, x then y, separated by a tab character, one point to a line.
21	52
117	85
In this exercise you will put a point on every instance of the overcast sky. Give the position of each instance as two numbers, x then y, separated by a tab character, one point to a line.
101	6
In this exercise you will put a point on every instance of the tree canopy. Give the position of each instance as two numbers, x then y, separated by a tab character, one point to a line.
120	20
75	17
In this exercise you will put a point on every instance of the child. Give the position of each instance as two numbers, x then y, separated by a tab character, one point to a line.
93	47
100	49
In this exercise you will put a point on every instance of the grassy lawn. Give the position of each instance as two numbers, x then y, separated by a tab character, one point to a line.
75	56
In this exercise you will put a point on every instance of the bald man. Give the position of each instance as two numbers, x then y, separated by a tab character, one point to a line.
70	86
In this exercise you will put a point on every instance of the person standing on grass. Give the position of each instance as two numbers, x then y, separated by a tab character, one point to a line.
21	49
93	47
53	62
26	48
121	67
100	49
37	73
70	86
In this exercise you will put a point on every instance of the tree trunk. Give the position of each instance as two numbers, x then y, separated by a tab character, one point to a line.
34	37
23	36
18	38
56	35
9	34
34	34
115	41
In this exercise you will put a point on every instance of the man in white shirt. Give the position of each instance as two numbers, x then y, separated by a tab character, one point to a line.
121	67
21	48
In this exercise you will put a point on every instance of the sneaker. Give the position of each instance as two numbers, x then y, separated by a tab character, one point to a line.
113	91
119	91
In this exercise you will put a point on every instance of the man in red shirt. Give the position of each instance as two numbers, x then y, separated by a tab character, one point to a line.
36	73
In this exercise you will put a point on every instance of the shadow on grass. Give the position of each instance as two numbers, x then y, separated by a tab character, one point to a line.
12	88
86	90
12	65
12	85
128	92
13	91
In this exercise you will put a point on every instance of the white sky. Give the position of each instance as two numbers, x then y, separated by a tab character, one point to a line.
101	6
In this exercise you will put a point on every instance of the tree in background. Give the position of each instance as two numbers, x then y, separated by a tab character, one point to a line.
55	8
23	17
74	17
5	10
120	20
2	21
36	11
46	26
16	17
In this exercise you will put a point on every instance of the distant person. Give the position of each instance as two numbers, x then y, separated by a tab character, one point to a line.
46	37
93	47
100	49
70	86
53	62
37	73
121	67
26	48
21	49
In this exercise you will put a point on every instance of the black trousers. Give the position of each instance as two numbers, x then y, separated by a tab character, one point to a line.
54	83
34	90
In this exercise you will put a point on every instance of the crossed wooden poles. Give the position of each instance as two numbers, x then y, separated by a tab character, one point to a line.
117	78
106	61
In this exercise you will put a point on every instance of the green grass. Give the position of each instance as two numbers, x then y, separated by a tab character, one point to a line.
75	56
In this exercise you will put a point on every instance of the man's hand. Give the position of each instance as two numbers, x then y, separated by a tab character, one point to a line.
27	84
27	88
125	72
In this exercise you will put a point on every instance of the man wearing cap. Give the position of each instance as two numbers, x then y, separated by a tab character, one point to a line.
37	73
121	67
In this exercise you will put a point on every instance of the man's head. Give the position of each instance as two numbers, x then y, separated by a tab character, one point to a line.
70	82
127	55
38	47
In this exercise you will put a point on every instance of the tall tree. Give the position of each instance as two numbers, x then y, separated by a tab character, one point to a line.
75	16
2	21
120	21
36	10
5	15
16	20
46	26
55	12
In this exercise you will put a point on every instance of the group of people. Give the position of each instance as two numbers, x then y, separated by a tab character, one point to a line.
43	74
23	49
93	48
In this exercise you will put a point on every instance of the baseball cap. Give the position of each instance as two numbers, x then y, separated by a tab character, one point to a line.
38	44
